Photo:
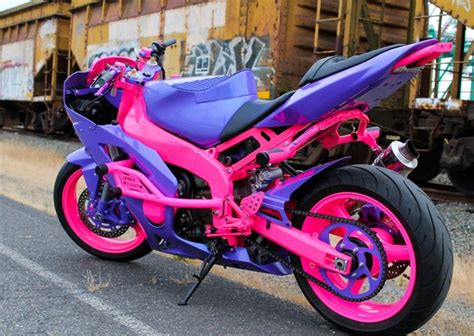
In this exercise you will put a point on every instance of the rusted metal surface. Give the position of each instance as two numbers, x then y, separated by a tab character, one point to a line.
463	10
279	40
34	43
33	37
34	10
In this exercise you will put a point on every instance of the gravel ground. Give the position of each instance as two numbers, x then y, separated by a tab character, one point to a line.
442	178
34	187
39	142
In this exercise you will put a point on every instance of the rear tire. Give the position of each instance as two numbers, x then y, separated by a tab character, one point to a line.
67	172
426	231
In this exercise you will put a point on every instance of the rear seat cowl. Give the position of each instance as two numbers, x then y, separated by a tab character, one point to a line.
330	65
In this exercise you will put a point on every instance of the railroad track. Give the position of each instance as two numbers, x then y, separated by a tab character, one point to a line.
437	192
54	136
445	193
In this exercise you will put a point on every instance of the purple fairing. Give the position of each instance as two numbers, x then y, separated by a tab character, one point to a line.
365	255
277	197
363	85
114	97
198	109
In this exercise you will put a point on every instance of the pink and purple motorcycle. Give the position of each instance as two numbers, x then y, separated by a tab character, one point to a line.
202	168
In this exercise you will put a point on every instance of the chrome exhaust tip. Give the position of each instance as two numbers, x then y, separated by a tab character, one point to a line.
399	157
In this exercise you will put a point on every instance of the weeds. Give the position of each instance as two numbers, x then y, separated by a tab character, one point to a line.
93	284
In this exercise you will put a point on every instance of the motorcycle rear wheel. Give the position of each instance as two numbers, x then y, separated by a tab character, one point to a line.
408	221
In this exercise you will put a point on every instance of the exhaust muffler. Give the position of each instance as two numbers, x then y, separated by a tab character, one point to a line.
399	157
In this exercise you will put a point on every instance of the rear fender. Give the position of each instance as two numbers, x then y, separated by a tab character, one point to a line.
276	198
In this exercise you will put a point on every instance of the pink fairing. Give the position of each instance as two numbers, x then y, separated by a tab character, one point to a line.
106	245
423	56
368	311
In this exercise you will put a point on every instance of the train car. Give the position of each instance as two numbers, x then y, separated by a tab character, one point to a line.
278	39
440	117
34	44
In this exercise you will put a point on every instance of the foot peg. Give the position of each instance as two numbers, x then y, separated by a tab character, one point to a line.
206	266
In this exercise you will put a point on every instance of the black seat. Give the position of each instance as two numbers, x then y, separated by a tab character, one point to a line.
330	65
250	113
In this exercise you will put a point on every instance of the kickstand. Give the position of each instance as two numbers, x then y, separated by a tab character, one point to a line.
206	266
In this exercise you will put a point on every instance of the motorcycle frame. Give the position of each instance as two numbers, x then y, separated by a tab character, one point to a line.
149	187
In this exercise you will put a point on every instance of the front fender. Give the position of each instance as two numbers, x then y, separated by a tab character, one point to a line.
84	160
80	157
276	198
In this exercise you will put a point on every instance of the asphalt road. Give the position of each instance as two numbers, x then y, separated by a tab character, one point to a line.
43	282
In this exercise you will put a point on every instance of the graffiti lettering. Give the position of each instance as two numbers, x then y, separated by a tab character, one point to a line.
466	4
128	49
217	57
16	81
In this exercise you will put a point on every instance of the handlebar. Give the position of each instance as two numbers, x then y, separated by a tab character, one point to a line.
158	48
104	78
170	42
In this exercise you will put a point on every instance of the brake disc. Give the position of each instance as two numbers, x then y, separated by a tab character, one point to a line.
107	230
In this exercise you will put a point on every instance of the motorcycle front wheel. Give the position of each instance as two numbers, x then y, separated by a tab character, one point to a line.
68	191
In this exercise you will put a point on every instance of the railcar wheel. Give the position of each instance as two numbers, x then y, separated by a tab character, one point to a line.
463	179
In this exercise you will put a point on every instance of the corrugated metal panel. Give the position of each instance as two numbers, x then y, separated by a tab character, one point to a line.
463	10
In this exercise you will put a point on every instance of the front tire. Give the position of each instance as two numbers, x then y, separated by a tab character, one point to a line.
66	188
408	215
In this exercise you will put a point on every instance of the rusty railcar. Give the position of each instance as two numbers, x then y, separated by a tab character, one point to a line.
279	40
43	41
34	44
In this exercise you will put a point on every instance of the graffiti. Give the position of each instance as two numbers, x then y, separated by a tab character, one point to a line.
47	32
217	57
47	28
466	4
16	81
16	70
128	49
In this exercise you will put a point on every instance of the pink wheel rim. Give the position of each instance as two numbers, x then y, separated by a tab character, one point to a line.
369	311
102	244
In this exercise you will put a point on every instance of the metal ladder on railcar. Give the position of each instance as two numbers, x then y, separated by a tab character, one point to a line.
349	14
